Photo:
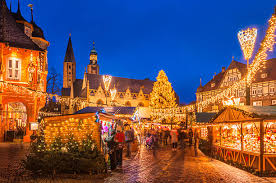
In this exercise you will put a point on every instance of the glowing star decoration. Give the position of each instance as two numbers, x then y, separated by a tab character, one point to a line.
107	81
231	101
247	39
113	93
257	64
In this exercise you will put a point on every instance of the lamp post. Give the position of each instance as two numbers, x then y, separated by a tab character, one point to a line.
247	39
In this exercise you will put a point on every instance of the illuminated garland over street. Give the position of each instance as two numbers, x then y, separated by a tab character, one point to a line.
259	62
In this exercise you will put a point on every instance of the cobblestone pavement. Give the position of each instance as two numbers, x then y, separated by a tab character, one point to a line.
164	166
11	156
180	166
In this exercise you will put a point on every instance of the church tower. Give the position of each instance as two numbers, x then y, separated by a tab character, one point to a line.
69	66
93	67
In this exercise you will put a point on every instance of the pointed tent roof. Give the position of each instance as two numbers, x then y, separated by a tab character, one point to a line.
69	55
11	33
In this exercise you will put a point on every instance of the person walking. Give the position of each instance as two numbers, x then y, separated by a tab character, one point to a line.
196	138
129	137
190	137
111	149
120	139
174	139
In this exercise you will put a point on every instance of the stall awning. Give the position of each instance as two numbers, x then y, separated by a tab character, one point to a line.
245	113
204	117
111	110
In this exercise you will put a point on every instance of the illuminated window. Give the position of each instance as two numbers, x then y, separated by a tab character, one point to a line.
213	85
258	103
264	75
14	68
254	91
260	90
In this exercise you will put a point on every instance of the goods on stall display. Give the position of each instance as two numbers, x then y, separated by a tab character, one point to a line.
270	138
230	136
203	133
251	138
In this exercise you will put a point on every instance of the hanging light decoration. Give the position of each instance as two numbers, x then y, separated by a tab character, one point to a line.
107	81
258	63
113	93
247	39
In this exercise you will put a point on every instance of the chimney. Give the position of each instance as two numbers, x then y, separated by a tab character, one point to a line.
275	10
223	69
214	75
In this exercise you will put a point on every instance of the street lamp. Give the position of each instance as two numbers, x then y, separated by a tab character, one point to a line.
247	39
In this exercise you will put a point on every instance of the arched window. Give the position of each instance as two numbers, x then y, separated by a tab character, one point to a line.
141	104
99	102
128	104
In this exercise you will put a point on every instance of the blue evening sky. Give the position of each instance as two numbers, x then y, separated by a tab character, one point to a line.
136	39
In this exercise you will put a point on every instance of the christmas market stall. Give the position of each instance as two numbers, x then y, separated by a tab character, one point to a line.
201	124
76	125
246	135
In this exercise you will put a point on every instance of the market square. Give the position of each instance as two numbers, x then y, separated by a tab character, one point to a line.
79	104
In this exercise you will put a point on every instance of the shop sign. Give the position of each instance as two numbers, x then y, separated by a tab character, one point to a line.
34	126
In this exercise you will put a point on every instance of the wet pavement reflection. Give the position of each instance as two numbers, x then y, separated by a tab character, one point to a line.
179	166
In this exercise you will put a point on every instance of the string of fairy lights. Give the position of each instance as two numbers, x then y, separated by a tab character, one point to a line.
258	63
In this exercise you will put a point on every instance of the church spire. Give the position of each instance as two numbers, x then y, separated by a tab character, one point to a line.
18	8
69	55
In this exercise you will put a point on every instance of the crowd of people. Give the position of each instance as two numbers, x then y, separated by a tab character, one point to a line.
153	138
122	137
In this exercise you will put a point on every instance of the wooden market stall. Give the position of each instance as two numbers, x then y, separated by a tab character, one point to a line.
246	135
78	125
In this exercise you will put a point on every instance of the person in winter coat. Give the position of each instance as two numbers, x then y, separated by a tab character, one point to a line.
111	149
129	137
120	139
174	139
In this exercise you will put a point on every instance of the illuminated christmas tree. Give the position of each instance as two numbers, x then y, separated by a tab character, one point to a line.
162	95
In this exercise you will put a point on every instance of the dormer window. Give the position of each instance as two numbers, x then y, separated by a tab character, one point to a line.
213	85
264	75
28	31
14	68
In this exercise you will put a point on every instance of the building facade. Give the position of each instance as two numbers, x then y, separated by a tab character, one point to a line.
23	73
262	89
99	90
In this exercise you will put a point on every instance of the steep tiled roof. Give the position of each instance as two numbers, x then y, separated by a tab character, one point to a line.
38	32
11	33
121	84
69	55
241	66
204	117
219	77
216	80
270	70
